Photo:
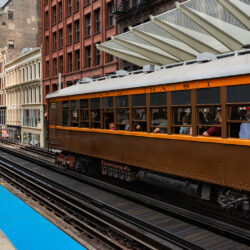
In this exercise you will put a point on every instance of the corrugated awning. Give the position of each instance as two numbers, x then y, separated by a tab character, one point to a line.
193	27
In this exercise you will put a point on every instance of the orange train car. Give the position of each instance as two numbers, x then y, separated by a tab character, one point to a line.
182	126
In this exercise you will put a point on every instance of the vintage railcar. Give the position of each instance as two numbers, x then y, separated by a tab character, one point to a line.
179	126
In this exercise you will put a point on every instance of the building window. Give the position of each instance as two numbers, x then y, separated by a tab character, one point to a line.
55	66
46	20
97	20
77	5
31	95
34	71
54	15
88	56
61	64
31	77
47	44
69	62
88	24
54	41
77	58
111	20
110	58
69	7
40	94
97	56
60	11
11	44
39	70
87	2
23	75
47	69
61	38
31	117
69	33
77	30
10	15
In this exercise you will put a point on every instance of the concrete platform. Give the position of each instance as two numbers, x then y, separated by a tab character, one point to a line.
23	228
5	244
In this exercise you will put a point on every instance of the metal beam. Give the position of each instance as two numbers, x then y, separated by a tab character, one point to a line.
236	8
137	60
140	49
168	45
229	41
184	36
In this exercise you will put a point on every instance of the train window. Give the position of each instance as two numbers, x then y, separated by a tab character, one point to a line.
181	97
84	113
52	113
209	119
158	99
158	102
107	102
122	112
208	96
159	122
74	113
182	120
139	100
139	122
238	94
65	110
95	103
108	112
122	101
239	121
95	113
84	104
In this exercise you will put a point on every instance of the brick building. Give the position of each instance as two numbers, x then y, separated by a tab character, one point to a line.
71	28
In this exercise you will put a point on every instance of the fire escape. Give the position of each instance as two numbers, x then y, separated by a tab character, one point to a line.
135	7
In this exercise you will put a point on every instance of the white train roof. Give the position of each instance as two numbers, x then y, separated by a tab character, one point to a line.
225	65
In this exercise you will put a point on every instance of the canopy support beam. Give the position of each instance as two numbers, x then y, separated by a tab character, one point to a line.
189	40
213	30
152	55
130	58
178	52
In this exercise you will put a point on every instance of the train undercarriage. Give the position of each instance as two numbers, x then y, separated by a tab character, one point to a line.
228	199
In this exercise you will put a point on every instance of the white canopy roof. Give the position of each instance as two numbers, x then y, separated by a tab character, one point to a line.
195	26
228	65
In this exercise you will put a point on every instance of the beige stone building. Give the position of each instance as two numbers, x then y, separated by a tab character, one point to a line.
25	111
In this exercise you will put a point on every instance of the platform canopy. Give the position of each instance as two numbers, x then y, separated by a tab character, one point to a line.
193	27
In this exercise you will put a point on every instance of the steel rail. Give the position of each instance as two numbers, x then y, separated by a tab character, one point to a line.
120	222
214	224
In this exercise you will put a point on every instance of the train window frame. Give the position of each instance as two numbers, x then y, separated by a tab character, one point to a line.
93	123
108	112
201	128
235	124
72	122
143	123
64	109
84	123
161	129
123	107
174	125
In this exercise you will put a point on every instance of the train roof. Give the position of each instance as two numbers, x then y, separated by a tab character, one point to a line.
232	64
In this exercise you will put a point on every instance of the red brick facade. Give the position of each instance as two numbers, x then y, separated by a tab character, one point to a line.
71	28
